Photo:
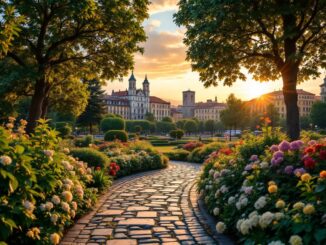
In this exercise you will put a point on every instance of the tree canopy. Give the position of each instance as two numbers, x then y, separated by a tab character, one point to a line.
67	40
271	39
318	114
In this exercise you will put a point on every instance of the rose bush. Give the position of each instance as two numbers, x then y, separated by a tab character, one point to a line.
42	187
275	195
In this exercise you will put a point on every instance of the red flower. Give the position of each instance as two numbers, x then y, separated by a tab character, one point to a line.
309	163
309	150
112	172
322	154
226	151
98	168
318	147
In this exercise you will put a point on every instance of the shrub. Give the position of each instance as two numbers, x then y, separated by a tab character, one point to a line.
177	155
190	146
64	129
85	141
100	179
278	195
199	154
36	174
93	157
136	126
177	134
113	135
112	123
164	127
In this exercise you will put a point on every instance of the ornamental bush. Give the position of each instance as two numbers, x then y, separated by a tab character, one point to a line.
177	134
177	155
275	197
199	154
93	157
64	129
112	123
42	188
113	135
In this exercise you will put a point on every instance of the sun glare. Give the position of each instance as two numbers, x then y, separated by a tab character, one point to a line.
256	89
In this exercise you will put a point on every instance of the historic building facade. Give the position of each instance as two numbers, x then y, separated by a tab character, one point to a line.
259	105
209	110
323	91
135	103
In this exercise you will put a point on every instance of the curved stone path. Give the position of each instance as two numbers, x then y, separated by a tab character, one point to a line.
157	207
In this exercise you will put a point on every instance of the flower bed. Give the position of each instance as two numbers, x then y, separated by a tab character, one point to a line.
42	188
276	196
199	154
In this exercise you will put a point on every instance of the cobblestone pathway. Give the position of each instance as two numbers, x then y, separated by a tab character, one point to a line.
159	207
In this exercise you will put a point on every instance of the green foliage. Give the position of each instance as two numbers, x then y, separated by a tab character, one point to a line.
318	114
113	135
181	123
176	134
164	127
210	126
177	155
93	157
85	141
133	125
199	154
191	126
112	123
100	179
149	117
167	119
95	105
33	170
64	129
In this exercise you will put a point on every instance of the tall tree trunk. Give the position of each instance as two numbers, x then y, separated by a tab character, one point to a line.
290	94
91	128
35	111
45	106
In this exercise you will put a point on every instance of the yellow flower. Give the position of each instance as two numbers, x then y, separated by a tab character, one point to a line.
298	205
55	238
306	177
67	196
309	209
34	233
280	204
272	188
295	240
250	177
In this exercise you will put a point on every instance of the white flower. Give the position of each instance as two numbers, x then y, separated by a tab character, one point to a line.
244	173
216	211
67	165
220	227
276	243
5	160
48	206
42	207
253	218
264	164
28	206
74	205
65	206
245	227
72	213
68	181
224	189
244	202
260	203
239	222
55	199
231	200
211	172
266	219
295	240
279	216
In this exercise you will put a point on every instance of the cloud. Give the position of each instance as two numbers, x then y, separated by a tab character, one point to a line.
164	55
162	5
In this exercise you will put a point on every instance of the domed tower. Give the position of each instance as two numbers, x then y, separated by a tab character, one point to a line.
146	86
132	84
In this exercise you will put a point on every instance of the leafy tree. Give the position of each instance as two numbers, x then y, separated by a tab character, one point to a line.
137	126
210	126
68	40
201	126
95	108
149	117
318	114
219	126
9	25
176	134
235	115
191	126
164	127
181	123
271	39
305	122
167	119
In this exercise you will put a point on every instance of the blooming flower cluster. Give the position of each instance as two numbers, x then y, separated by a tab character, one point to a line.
275	197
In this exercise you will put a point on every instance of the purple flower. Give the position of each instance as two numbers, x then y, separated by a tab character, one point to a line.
276	161
299	171
254	158
273	148
284	146
288	169
248	190
278	154
296	145
248	167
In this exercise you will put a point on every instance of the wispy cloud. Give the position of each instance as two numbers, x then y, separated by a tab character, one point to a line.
162	5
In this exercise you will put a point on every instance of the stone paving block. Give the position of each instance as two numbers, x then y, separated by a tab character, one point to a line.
137	221
169	218
102	232
147	214
110	212
122	242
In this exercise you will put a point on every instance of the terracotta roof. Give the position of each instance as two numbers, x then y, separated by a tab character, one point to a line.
299	91
157	100
207	105
120	93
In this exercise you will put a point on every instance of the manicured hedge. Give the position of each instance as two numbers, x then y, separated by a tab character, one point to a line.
177	155
93	157
112	123
113	135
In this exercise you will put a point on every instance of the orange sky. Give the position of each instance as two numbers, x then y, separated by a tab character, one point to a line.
168	72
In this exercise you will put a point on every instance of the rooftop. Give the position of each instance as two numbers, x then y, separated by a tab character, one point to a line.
154	99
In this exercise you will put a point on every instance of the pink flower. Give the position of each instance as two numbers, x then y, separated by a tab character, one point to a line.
274	148
253	158
284	146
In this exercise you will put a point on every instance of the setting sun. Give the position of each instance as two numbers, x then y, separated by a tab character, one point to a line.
256	89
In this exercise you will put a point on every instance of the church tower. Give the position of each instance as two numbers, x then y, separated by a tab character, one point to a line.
146	86
132	84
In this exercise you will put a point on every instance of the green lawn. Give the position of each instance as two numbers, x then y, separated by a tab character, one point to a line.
163	149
